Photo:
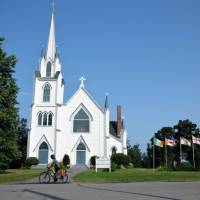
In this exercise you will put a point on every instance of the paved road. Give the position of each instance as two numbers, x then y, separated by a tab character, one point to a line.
118	191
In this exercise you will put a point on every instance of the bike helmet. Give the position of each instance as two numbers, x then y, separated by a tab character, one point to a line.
52	156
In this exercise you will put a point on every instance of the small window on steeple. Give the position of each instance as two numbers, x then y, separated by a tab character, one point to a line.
45	119
40	119
50	119
48	69
46	93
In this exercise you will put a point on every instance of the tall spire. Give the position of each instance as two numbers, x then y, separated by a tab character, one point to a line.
51	45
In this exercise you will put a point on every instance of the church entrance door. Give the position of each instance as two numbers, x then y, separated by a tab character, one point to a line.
80	154
43	153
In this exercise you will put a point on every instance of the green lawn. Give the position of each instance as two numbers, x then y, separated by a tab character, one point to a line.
16	175
135	175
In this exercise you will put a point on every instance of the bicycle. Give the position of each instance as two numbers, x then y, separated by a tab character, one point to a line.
45	177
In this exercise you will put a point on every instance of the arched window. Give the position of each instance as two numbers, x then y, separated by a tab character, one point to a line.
81	122
44	119
48	70
114	150
43	153
40	119
46	93
50	119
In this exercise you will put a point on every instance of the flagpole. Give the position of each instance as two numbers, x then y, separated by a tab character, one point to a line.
154	152
165	153
193	154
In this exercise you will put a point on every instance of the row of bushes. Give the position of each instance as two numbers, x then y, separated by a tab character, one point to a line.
119	160
34	161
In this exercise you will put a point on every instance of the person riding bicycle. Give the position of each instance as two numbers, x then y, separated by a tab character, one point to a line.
55	166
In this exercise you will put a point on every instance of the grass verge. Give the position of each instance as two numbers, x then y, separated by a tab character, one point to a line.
17	175
135	175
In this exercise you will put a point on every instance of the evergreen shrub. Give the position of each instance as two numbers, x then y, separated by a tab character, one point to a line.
31	161
66	160
3	167
93	161
120	159
185	166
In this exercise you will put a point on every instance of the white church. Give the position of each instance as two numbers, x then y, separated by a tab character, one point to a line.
79	127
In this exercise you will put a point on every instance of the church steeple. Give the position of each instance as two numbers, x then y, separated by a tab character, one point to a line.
51	45
50	59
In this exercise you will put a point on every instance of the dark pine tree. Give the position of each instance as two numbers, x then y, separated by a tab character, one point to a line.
22	136
8	108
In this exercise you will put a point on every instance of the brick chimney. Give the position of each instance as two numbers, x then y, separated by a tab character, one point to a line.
119	120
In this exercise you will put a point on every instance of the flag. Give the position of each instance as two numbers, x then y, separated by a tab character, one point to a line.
158	142
195	140
185	141
169	142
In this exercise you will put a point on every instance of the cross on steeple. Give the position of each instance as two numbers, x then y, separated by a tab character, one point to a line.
82	79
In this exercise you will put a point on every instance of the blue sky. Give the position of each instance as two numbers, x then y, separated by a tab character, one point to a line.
145	54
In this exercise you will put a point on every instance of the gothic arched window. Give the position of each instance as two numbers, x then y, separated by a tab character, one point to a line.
46	93
44	119
40	119
48	70
50	119
81	122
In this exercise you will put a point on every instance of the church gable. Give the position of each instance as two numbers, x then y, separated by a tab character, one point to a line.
83	97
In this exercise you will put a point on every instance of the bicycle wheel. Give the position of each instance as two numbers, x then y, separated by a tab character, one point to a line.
44	177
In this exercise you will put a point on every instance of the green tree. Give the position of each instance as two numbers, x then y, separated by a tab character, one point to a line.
186	128
135	155
8	108
128	144
165	132
22	136
146	161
